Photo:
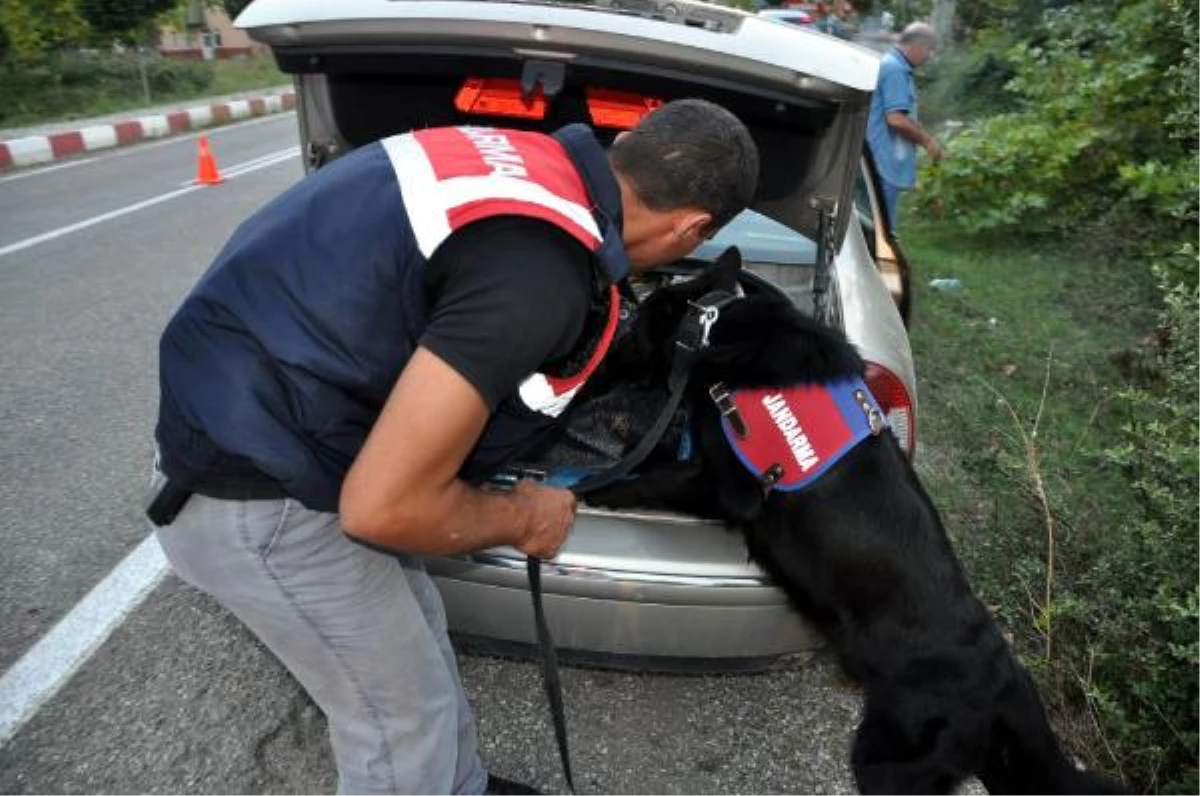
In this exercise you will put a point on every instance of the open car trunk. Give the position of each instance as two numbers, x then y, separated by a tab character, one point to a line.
646	588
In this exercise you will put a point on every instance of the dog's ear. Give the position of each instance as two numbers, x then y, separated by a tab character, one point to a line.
721	276
723	273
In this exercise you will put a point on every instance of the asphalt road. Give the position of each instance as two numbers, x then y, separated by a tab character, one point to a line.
94	254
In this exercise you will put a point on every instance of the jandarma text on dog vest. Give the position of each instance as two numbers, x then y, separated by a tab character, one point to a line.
497	151
789	426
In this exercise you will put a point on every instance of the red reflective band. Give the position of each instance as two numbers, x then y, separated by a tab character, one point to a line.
499	96
619	109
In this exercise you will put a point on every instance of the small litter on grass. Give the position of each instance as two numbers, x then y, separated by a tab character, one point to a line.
945	285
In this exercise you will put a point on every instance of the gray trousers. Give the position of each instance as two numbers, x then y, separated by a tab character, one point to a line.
363	632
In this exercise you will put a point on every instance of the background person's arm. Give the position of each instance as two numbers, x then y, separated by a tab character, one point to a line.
402	492
906	126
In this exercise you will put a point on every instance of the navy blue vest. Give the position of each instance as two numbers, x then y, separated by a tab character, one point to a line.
279	361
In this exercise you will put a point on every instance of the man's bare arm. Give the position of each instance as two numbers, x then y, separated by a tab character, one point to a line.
403	491
904	124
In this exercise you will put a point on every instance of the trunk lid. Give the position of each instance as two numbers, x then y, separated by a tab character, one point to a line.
366	69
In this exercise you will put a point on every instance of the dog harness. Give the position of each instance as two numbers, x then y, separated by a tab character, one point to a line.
789	437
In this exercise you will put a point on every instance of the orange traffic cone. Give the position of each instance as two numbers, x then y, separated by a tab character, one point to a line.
207	174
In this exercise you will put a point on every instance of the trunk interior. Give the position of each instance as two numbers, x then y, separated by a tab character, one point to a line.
601	428
351	98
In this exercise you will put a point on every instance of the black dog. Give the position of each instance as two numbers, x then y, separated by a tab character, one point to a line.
862	553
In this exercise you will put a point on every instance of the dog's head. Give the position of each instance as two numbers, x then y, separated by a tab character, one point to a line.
760	339
646	352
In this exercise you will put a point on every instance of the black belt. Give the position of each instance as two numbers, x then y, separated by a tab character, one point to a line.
168	498
249	490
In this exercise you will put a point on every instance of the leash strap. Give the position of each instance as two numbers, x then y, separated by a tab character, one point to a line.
550	676
533	567
635	457
691	339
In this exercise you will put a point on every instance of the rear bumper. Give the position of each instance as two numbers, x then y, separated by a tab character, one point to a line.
609	611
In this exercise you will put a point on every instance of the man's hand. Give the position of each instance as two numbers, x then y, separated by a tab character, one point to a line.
551	514
403	491
935	149
913	131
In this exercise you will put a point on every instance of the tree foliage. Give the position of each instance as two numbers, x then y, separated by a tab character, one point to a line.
234	7
1103	134
30	28
126	21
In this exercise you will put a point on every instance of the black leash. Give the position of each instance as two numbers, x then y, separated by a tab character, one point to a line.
690	340
550	678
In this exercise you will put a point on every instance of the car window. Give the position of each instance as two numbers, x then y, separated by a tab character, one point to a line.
761	240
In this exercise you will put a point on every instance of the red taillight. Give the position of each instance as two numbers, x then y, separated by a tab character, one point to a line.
619	109
497	96
500	96
896	403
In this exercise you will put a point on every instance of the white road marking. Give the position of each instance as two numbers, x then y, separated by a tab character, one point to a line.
232	173
47	666
253	165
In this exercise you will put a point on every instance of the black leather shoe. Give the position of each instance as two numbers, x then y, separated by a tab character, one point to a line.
497	784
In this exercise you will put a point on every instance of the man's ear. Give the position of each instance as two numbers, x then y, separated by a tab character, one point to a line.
697	225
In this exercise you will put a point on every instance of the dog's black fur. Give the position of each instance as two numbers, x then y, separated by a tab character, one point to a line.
862	553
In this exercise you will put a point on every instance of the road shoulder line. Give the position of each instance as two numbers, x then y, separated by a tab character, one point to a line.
49	664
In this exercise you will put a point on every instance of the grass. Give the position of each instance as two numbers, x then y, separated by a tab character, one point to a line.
1020	379
83	87
243	74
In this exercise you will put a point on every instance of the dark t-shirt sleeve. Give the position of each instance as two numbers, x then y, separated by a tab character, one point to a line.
506	296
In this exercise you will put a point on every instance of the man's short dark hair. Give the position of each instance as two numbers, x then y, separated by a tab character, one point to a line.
690	153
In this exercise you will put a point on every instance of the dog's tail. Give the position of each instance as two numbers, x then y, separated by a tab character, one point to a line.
1024	756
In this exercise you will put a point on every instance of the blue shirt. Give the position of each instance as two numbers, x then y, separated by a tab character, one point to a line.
895	156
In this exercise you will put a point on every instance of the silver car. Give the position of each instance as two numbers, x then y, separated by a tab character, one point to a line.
646	590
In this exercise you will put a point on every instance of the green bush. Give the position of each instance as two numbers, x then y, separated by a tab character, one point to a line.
64	87
1094	559
1145	689
73	85
1100	138
967	83
122	74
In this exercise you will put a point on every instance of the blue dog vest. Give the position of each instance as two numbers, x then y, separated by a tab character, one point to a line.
789	437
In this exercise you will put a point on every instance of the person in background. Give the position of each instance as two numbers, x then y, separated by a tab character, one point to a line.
893	131
835	19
